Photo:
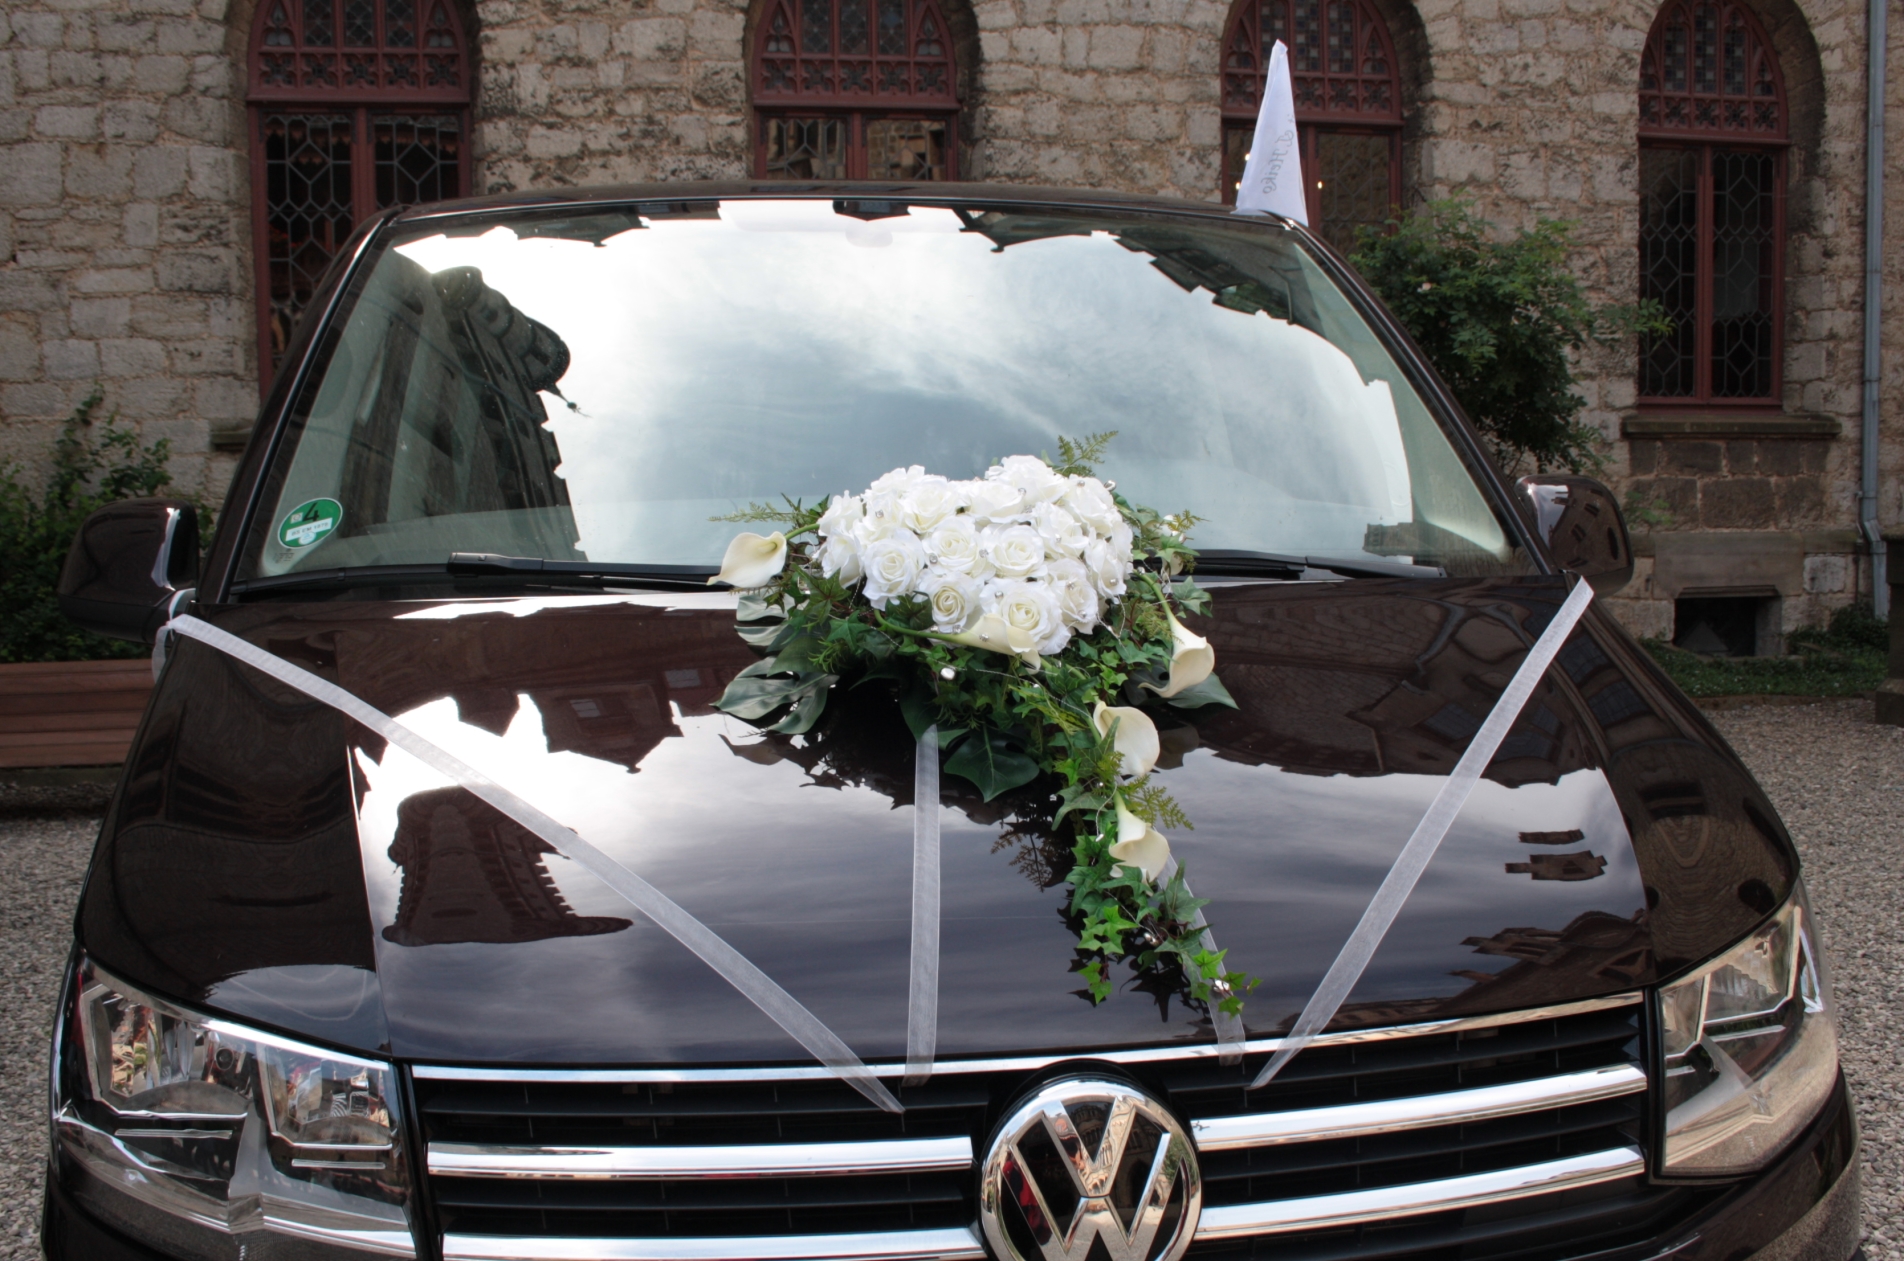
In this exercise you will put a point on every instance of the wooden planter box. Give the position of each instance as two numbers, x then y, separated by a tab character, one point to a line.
70	713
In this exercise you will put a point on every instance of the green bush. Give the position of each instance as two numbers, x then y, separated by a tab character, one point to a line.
1856	628
92	466
1498	319
1846	658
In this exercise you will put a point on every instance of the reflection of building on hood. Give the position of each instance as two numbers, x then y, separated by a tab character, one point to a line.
472	874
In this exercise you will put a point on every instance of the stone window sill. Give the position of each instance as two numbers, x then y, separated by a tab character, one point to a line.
1691	424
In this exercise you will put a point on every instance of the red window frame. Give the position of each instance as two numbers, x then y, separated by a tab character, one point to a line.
859	61
364	63
1342	68
1711	85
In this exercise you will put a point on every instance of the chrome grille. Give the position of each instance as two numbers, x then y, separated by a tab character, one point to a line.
1498	1136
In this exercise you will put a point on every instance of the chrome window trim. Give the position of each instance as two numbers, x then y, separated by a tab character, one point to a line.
1322	1212
1017	1064
1385	1116
958	1244
765	1160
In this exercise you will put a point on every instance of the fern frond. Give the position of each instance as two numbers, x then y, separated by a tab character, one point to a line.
1080	458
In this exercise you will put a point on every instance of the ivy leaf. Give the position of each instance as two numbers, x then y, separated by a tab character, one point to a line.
1191	596
757	608
1079	797
756	697
992	761
1209	692
770	637
798	657
921	711
807	709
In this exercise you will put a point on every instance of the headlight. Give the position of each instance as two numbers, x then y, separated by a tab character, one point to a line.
1751	1053
222	1142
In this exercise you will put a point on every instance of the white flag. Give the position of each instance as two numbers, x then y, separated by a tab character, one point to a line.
1272	178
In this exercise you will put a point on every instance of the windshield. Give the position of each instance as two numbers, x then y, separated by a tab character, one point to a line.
603	386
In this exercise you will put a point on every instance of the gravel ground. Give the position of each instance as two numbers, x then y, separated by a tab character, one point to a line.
1836	776
41	862
1838	780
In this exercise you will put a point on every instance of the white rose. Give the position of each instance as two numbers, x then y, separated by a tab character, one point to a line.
993	501
897	482
1121	538
881	519
1015	551
933	500
839	558
1107	566
954	546
1030	608
843	512
1092	503
1063	534
892	566
1078	602
1030	475
954	598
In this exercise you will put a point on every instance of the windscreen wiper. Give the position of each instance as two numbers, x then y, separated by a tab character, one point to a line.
1225	561
608	574
463	566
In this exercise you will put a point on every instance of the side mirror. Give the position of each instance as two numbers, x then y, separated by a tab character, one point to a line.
128	563
1583	528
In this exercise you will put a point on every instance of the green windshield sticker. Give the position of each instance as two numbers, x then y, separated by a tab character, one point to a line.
310	523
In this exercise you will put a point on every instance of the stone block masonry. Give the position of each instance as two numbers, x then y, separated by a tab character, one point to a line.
124	226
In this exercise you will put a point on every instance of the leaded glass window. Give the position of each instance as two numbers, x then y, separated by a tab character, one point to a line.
356	105
854	89
1712	206
1347	89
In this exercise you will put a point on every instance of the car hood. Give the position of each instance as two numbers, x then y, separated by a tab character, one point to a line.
269	859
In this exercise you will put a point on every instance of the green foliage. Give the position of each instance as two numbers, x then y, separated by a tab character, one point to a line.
1499	319
1004	721
1855	628
1845	658
1652	514
93	465
1080	458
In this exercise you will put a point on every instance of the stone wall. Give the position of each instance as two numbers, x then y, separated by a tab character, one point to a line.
1101	93
610	91
124	223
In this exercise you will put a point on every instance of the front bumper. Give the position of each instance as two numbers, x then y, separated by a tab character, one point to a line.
1806	1207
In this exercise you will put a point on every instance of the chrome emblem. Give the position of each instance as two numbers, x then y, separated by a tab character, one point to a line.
1088	1160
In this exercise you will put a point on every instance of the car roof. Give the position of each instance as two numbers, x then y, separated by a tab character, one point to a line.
847	190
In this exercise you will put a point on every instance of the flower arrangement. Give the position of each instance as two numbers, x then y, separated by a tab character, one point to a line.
1028	617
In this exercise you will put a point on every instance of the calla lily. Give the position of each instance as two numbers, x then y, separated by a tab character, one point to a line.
994	634
752	561
1191	659
1139	844
1136	740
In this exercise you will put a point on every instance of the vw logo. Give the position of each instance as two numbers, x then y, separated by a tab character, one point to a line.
1088	1161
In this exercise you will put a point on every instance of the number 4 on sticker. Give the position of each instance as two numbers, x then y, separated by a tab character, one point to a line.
310	523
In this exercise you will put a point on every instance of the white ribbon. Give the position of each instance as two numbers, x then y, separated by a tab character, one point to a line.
922	1000
754	985
1413	860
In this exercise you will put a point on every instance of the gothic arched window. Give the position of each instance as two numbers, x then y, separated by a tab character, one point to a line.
355	105
1348	105
854	89
1712	205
